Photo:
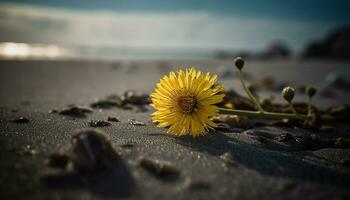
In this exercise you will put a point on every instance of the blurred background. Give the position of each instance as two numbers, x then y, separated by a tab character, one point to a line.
152	29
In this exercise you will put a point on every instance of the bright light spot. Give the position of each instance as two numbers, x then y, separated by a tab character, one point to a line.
22	50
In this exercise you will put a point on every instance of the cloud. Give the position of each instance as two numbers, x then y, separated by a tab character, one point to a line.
19	23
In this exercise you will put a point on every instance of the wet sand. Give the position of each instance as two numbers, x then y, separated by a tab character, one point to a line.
242	164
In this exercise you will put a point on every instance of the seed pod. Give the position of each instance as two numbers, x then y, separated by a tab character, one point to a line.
310	91
288	93
239	63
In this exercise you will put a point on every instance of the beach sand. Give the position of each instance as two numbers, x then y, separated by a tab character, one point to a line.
237	164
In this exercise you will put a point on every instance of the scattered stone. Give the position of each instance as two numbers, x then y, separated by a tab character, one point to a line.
92	150
234	121
73	110
99	123
113	119
21	120
162	170
342	143
106	103
304	140
136	123
130	96
58	160
53	111
284	137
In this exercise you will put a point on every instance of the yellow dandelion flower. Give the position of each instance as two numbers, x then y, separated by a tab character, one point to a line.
185	102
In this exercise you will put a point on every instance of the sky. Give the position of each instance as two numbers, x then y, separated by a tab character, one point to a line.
214	24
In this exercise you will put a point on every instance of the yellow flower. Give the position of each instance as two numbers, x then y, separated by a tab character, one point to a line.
185	102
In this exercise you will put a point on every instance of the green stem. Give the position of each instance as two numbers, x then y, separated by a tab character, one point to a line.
251	96
309	106
258	114
292	107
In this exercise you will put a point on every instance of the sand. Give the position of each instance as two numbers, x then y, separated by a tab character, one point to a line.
238	164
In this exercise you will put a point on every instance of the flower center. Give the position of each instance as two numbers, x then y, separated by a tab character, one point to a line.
187	103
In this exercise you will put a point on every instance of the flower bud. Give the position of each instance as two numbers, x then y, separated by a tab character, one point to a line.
310	91
288	93
239	62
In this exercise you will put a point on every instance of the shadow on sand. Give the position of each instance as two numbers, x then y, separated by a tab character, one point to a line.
266	161
114	182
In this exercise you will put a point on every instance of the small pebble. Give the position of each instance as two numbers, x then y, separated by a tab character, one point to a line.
113	119
74	110
105	103
284	137
21	120
53	111
136	123
99	123
162	170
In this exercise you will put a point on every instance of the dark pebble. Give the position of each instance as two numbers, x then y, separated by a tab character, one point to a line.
130	96
21	120
99	123
53	111
105	103
162	170
284	137
73	110
113	119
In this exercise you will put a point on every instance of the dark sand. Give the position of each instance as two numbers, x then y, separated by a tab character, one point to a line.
260	167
